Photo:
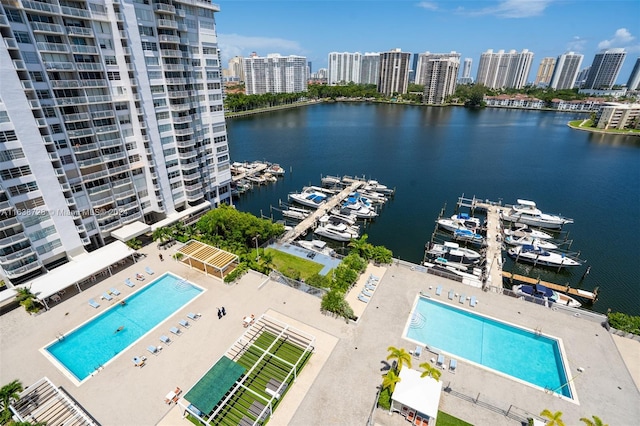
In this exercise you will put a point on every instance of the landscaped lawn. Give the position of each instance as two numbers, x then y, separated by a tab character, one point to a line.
445	419
284	262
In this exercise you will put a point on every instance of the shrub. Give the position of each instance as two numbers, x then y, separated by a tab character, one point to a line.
384	399
236	273
624	322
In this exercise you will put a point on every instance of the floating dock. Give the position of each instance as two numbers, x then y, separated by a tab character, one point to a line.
592	296
494	243
311	220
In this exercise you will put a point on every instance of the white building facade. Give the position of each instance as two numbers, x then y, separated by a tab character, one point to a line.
566	71
438	72
344	67
605	69
110	113
275	74
370	68
504	69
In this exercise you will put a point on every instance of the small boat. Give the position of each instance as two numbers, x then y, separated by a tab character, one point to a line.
374	197
349	220
359	210
337	232
453	225
468	235
524	231
312	199
331	181
453	253
296	213
519	241
374	185
260	180
539	256
269	177
466	220
317	246
545	293
345	216
275	170
527	212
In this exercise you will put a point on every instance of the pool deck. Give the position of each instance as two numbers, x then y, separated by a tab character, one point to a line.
339	384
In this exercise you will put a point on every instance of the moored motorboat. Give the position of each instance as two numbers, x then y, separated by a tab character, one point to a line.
374	185
339	218
519	241
527	212
539	291
523	230
539	256
275	170
468	235
317	246
337	232
467	221
296	213
331	181
312	199
454	253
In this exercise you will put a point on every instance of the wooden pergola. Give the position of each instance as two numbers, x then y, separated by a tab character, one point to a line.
208	259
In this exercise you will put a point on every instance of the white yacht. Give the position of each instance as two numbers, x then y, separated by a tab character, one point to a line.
311	199
317	246
539	256
519	241
527	212
337	232
545	293
296	213
523	230
450	251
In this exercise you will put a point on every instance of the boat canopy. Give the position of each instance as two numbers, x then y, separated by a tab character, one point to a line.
526	203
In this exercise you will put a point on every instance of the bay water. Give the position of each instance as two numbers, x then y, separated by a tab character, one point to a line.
433	155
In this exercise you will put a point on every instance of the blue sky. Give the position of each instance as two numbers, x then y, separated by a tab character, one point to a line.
313	28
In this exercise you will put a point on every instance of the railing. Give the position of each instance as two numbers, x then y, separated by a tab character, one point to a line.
72	11
52	47
40	6
17	255
24	269
79	31
298	285
47	28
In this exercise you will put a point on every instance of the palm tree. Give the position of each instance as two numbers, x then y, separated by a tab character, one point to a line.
595	422
361	246
431	371
9	393
27	299
400	355
554	418
389	380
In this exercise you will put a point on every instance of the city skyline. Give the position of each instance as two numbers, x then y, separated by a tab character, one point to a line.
314	28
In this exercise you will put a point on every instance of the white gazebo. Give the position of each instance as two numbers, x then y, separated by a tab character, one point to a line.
416	396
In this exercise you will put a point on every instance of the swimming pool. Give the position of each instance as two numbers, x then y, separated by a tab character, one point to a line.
97	342
507	349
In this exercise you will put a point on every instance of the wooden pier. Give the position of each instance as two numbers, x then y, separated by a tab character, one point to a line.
327	206
494	243
592	296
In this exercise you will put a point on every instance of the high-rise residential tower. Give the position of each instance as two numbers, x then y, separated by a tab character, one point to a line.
394	72
582	77
111	112
370	68
604	69
236	67
275	74
466	72
414	67
566	71
438	72
504	70
545	71
634	79
344	67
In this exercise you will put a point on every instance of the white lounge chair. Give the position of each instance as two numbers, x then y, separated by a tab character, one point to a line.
462	298
473	302
114	291
94	304
128	282
184	323
438	290
363	298
165	339
418	351
154	349
175	330
193	316
106	296
451	294
440	361
452	365
148	270
366	292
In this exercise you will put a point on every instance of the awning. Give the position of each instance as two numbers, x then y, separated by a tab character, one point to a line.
174	217
422	394
130	231
78	269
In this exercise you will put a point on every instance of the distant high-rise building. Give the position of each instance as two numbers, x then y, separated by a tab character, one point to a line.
545	71
309	65
414	67
566	71
344	67
108	116
582	77
438	73
322	74
604	69
504	70
236	68
370	68
466	72
634	78
275	74
394	72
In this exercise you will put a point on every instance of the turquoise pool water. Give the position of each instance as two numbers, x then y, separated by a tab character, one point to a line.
96	342
507	349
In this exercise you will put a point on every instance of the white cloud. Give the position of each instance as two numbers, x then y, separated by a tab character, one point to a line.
429	5
622	38
238	45
515	8
577	44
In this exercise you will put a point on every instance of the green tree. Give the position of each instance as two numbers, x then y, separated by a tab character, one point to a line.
134	243
555	419
476	96
333	301
595	422
381	255
163	234
400	355
26	298
361	246
390	380
431	371
8	394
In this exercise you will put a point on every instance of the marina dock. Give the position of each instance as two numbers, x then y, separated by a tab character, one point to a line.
311	220
256	167
592	296
494	243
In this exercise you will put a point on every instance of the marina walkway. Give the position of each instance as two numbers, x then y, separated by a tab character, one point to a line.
494	244
311	220
557	287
